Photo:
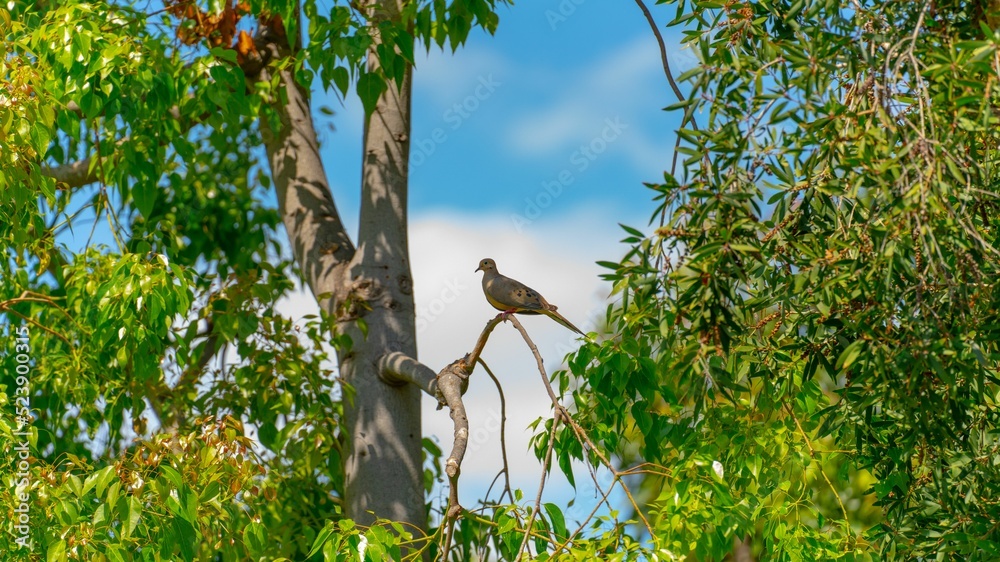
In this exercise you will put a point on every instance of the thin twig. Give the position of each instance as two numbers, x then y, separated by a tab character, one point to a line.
578	431
688	111
35	322
472	357
541	485
111	216
503	433
538	359
585	521
28	296
663	52
583	437
819	465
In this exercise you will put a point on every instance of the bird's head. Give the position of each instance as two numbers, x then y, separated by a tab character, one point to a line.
487	265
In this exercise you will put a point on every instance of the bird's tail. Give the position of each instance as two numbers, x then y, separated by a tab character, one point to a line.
551	313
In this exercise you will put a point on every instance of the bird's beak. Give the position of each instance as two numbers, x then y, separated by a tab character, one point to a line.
480	268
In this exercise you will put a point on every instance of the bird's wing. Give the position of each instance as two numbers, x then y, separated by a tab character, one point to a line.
505	293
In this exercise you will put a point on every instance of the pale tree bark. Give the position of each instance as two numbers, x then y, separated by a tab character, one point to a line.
370	284
383	471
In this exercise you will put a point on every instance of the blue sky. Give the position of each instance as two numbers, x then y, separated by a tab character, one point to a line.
576	97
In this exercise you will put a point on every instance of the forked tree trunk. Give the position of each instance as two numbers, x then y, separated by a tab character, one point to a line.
370	284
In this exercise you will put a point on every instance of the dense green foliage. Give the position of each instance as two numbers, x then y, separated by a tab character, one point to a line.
820	304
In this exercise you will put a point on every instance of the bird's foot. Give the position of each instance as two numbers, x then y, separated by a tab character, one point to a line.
503	316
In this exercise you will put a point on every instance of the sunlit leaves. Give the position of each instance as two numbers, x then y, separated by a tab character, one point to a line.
146	496
340	41
823	278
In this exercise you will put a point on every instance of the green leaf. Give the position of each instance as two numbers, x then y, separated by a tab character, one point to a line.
115	553
255	537
144	195
323	536
186	538
849	355
226	54
342	79
370	86
557	520
172	476
133	514
56	551
566	466
267	433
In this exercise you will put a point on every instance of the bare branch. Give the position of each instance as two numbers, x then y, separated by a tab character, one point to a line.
79	173
451	381
76	174
398	368
503	433
471	358
447	387
453	397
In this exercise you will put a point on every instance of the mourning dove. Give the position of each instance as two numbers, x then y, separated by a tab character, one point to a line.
512	296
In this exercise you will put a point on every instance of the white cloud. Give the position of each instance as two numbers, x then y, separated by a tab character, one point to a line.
442	79
582	98
574	105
